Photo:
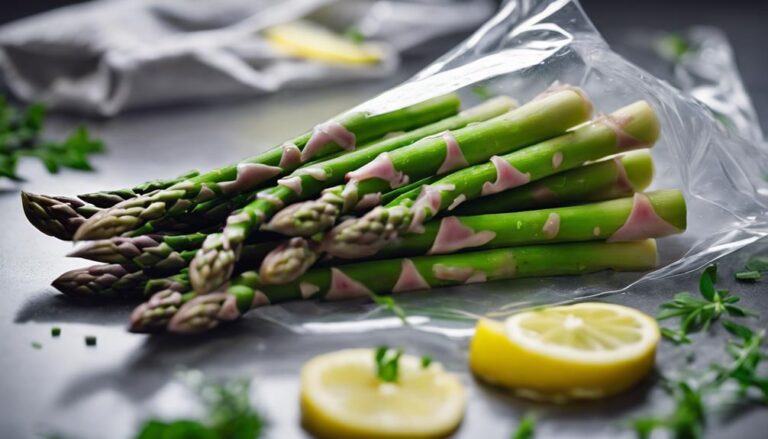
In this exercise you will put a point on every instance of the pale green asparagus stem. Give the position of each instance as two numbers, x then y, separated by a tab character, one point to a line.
246	292
603	180
349	130
634	126
535	121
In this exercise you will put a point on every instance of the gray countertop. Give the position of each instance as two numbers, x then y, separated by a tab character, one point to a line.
104	391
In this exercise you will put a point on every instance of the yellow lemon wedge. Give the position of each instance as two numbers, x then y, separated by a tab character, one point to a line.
309	41
587	350
342	397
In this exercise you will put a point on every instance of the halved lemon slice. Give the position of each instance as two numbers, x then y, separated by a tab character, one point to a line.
342	397
310	41
587	350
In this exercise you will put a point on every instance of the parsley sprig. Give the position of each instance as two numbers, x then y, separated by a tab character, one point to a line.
387	363
229	414
697	314
20	136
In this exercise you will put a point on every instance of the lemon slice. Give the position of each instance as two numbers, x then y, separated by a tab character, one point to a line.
342	397
588	350
309	41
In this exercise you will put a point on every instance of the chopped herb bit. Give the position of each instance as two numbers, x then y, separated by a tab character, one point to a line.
55	331
90	340
696	314
482	91
748	276
387	363
20	132
390	304
673	47
37	345
686	421
526	428
426	361
757	263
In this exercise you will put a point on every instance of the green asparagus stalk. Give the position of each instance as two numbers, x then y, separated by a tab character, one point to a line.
56	216
634	126
325	139
154	314
104	199
603	180
131	281
538	120
535	121
587	222
246	292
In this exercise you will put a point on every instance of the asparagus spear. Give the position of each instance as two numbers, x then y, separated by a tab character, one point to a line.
103	199
350	129
537	120
603	180
634	126
587	222
56	216
246	292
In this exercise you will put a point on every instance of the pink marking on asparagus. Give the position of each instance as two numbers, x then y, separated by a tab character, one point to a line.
229	310
622	179
291	156
643	222
507	177
308	289
318	174
349	195
259	299
382	168
343	287
430	200
324	134
205	194
292	183
453	236
456	274
248	176
369	201
557	160
410	279
266	196
624	140
477	277
457	201
454	158
551	226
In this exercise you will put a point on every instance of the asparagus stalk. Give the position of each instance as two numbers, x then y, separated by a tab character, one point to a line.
538	120
56	216
634	126
535	121
603	180
246	292
228	181
103	199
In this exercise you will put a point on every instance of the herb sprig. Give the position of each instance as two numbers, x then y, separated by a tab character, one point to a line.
698	314
20	136
387	363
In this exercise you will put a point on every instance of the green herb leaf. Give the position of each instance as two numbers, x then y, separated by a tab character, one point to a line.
181	429
707	282
390	304
749	276
686	421
757	263
426	361
526	428
55	331
387	363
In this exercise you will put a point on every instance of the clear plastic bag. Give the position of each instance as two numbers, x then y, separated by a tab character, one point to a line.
526	47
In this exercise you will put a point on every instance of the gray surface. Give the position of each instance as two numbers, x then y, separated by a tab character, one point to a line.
103	392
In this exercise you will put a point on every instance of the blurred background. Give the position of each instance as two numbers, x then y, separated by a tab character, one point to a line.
742	21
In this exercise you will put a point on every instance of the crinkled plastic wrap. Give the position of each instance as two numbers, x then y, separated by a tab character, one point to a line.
526	47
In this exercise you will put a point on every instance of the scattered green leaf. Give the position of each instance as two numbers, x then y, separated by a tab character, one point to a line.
387	363
698	314
526	429
672	46
20	136
757	263
90	340
55	331
426	360
389	303
37	345
748	276
686	421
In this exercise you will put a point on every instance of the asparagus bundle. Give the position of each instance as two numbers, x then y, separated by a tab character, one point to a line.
330	137
634	126
246	292
537	120
652	215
